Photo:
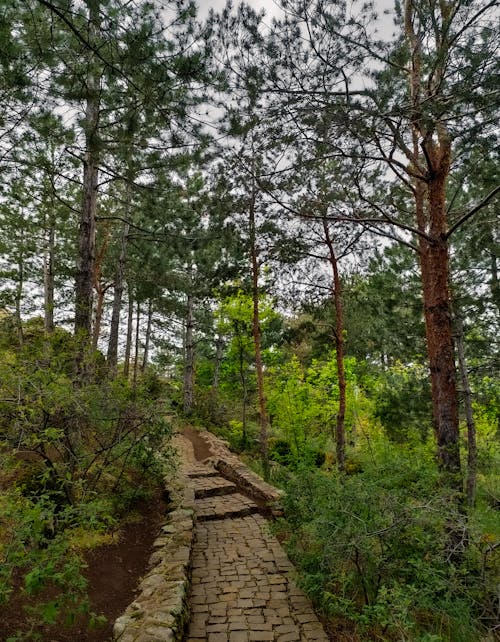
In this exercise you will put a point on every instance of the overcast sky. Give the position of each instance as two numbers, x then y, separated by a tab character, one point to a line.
269	6
385	25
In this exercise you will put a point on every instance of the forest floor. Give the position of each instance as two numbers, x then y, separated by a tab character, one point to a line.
113	572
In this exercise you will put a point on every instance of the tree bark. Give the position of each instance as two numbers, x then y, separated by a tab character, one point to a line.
128	342
219	352
148	336
48	275
112	356
96	330
494	282
189	358
87	226
430	165
244	390
19	290
100	287
434	267
137	344
259	369
439	333
339	349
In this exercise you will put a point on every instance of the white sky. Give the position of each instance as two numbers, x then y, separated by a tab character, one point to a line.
271	8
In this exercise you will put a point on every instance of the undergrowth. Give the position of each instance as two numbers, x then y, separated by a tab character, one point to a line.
75	458
373	548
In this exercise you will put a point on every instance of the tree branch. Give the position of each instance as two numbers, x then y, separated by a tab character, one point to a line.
473	211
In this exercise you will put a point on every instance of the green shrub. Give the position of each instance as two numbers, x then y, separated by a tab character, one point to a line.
374	548
74	457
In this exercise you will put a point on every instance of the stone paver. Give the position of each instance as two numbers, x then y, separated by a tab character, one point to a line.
211	486
201	470
242	589
224	507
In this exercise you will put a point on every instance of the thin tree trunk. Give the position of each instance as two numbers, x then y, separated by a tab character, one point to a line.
19	293
189	358
259	369
244	389
87	227
48	275
494	283
100	287
470	483
148	336
128	343
96	331
219	353
112	356
339	350
137	343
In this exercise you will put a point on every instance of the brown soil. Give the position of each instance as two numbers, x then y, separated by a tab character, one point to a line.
113	573
201	449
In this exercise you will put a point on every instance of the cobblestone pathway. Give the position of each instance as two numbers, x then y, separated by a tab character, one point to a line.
242	589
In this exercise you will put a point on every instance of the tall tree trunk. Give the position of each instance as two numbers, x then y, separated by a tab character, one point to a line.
87	227
431	161
137	344
259	369
128	342
112	356
339	349
434	265
48	275
100	287
189	358
148	336
438	315
470	482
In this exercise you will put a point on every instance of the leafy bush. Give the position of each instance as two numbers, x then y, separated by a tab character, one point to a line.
373	547
74	457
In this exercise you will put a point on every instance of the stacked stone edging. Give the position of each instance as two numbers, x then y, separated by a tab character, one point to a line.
160	611
228	464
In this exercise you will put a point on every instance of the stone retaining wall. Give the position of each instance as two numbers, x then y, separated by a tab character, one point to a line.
231	467
161	610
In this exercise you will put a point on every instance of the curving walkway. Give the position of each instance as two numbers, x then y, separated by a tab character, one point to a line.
242	586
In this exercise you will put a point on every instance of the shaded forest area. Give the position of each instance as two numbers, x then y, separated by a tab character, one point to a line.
283	228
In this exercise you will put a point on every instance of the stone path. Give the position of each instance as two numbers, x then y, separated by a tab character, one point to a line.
242	586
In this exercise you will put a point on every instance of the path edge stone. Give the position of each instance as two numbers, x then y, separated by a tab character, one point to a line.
232	468
160	611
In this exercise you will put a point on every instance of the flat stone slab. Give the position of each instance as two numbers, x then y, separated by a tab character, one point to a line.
211	486
224	507
202	470
242	589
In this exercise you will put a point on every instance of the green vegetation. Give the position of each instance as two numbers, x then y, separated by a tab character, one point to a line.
76	458
294	218
385	550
